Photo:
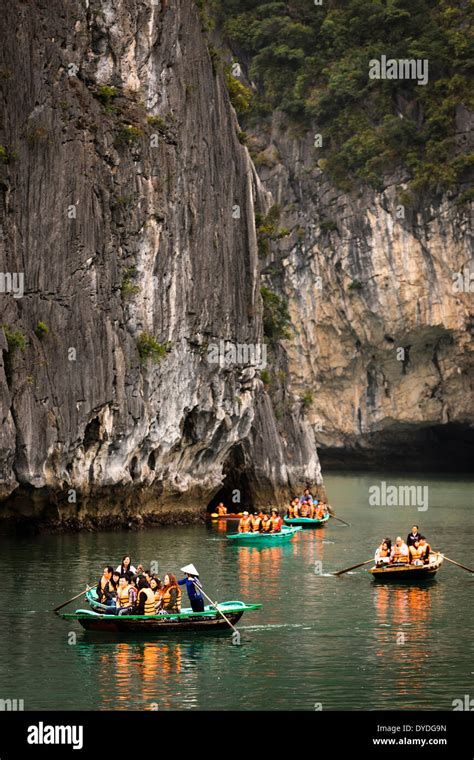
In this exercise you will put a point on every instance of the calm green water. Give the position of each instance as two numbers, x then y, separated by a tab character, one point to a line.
342	643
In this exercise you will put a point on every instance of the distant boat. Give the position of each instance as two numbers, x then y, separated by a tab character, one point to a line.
407	573
230	516
263	539
307	522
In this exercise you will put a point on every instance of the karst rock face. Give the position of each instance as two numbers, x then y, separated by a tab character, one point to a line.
130	213
380	292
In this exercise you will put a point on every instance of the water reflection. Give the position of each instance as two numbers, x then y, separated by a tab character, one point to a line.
403	615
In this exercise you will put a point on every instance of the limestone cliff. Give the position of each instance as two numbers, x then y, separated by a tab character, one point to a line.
379	288
127	204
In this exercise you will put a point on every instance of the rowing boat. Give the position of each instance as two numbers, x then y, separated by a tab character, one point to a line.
407	573
264	539
307	522
186	620
230	516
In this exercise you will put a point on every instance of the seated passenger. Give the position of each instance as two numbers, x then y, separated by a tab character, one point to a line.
425	549
382	554
171	595
293	509
416	553
277	522
305	509
399	553
145	604
221	509
125	598
320	511
155	585
245	524
256	522
105	588
266	523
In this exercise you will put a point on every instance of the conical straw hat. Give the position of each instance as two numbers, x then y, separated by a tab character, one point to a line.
190	569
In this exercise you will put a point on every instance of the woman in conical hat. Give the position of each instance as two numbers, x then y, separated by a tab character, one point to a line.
193	587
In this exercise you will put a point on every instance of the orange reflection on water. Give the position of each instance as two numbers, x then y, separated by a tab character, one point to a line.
131	669
404	615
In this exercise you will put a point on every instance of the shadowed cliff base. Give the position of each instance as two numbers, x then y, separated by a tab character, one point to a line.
445	448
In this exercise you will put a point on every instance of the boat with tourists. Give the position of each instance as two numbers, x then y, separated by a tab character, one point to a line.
403	572
210	619
264	539
307	522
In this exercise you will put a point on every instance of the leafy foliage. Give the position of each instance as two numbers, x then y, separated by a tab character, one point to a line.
312	62
149	348
276	318
41	330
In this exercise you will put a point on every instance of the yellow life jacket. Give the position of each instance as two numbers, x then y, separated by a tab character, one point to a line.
245	524
167	603
122	594
398	556
149	608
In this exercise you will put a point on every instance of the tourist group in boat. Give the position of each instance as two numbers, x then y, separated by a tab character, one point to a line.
272	522
135	591
414	551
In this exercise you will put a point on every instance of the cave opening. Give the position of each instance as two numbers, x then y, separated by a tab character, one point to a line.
444	448
236	491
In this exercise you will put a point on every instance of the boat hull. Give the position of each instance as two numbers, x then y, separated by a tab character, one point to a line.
231	516
187	620
306	522
263	539
407	573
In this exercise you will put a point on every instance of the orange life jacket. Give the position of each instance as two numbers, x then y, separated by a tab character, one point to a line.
305	510
398	556
168	603
276	523
256	523
122	595
266	524
245	524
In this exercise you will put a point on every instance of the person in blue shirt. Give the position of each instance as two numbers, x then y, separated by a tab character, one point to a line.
192	587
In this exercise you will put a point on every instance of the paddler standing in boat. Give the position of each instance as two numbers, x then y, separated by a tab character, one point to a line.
193	587
245	523
221	510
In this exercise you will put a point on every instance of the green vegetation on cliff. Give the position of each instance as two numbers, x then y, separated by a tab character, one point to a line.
312	62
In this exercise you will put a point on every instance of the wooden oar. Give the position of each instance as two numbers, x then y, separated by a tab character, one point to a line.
214	604
353	567
338	518
56	609
456	563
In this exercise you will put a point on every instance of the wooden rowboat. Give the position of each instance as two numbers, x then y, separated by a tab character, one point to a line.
186	620
307	522
263	539
407	573
230	516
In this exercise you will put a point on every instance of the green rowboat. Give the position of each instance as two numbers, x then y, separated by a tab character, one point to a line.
306	522
263	539
186	620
